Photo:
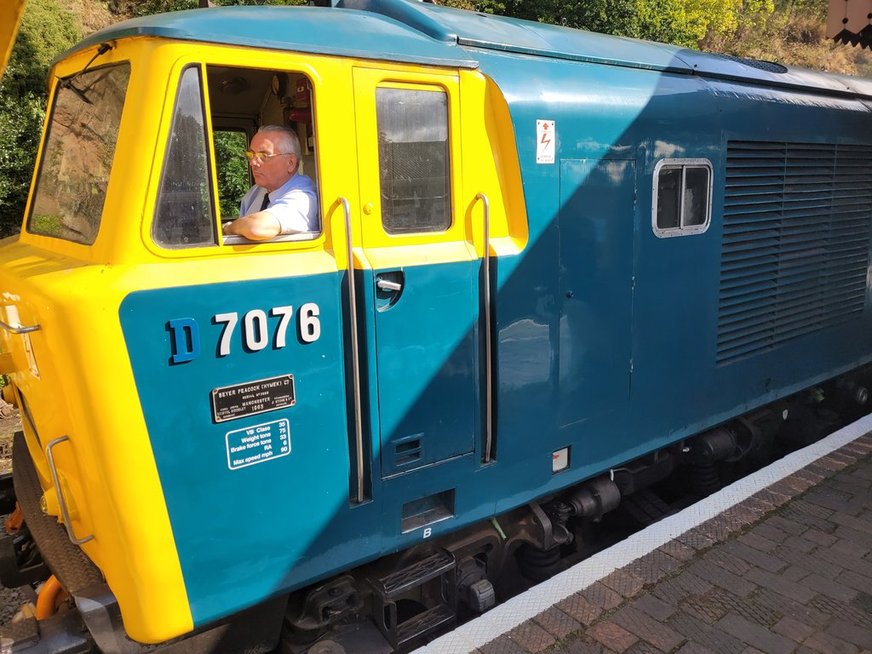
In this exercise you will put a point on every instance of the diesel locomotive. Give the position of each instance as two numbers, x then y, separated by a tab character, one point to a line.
554	268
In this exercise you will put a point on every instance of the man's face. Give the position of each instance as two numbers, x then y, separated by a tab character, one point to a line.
271	172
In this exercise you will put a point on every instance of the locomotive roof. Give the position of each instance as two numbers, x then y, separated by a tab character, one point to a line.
416	32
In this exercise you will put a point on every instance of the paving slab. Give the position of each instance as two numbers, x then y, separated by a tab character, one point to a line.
785	570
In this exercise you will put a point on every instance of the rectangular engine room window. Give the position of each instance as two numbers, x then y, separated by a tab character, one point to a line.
682	197
413	160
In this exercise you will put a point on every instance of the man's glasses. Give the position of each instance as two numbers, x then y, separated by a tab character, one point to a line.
260	157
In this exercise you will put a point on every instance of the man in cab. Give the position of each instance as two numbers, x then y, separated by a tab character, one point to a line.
282	200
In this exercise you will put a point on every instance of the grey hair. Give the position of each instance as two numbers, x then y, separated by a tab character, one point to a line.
289	140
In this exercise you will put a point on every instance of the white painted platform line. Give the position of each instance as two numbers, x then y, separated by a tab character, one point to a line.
509	615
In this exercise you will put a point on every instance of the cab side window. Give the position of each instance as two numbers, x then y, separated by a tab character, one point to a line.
184	216
242	100
413	160
206	176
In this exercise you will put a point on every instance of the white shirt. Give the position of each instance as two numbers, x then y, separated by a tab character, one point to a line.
294	204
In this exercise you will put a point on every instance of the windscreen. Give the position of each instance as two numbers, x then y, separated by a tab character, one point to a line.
77	155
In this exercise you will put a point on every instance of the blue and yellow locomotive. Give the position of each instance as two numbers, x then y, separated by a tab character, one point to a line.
554	268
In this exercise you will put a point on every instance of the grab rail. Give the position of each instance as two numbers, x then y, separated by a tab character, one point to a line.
488	337
61	502
355	351
20	329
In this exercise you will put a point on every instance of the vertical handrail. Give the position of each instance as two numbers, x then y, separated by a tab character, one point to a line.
488	337
61	502
355	350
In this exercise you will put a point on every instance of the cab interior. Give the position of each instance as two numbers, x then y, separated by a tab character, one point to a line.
242	100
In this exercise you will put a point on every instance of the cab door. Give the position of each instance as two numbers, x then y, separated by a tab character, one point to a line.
424	296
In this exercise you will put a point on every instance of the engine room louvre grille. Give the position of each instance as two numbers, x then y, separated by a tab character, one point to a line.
795	251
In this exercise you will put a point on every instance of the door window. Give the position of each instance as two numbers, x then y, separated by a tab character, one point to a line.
413	160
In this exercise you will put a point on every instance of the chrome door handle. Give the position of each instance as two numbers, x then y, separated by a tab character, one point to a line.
386	285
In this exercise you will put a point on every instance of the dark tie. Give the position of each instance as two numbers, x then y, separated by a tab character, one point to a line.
265	203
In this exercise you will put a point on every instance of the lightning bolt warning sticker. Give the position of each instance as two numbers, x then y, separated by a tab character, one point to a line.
546	136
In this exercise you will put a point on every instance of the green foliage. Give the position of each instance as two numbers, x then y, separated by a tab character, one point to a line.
606	16
817	8
720	19
793	35
680	22
658	20
20	124
46	30
148	7
670	21
45	224
233	179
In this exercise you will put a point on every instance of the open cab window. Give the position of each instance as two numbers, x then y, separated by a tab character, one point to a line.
77	155
215	119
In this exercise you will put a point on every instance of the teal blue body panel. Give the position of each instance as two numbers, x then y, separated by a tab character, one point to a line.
426	358
609	115
238	531
596	295
606	336
245	530
352	33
